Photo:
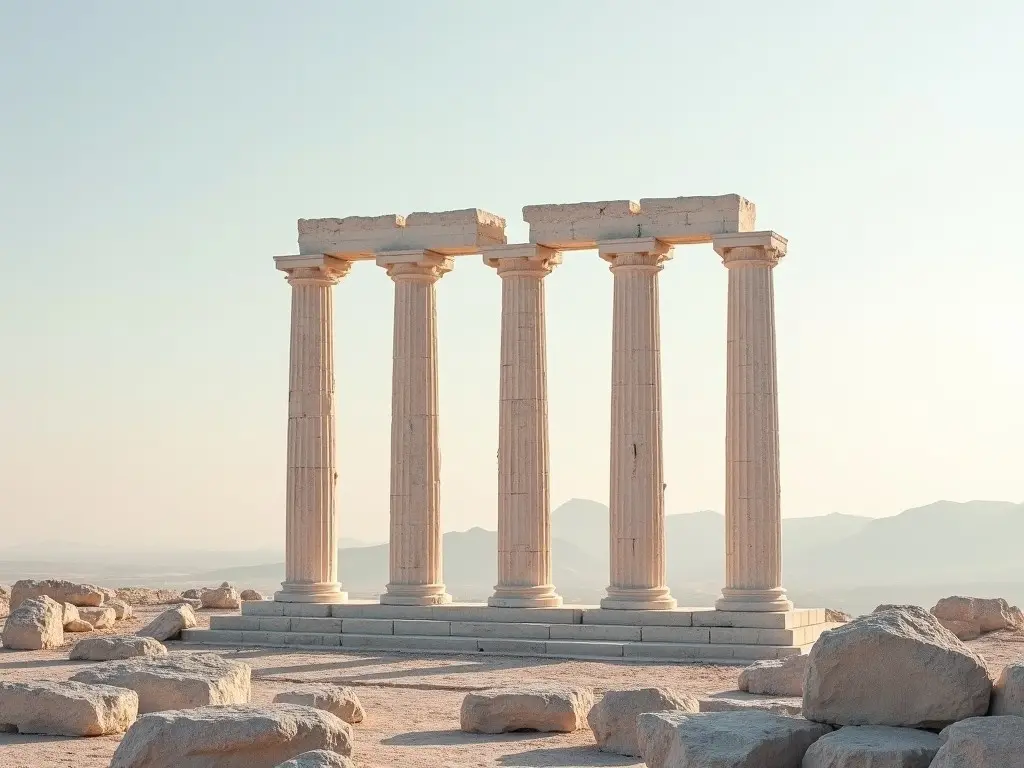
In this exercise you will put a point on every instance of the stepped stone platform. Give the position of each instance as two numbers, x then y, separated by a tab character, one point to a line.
682	634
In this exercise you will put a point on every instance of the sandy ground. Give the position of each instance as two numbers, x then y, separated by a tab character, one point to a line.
412	702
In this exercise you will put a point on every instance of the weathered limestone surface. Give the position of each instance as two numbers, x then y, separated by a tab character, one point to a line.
753	513
1008	691
782	677
340	701
122	610
36	623
548	707
749	739
5	600
415	551
116	647
318	758
101	617
637	494
964	630
673	220
613	718
524	497
169	624
362	237
311	534
873	746
988	614
56	589
225	597
66	708
77	625
989	742
251	594
898	667
230	737
733	701
176	682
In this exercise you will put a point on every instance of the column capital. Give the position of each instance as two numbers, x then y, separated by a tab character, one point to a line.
750	249
524	260
315	268
635	253
418	265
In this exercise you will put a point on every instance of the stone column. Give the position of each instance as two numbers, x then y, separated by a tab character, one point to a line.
524	502
311	536
637	498
415	551
753	518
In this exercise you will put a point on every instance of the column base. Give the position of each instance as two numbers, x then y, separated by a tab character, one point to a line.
638	599
759	600
509	596
415	594
304	592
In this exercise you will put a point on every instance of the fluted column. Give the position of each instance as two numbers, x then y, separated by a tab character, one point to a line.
524	503
753	516
415	551
637	498
311	549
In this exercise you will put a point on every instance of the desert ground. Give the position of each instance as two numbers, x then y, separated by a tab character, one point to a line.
411	701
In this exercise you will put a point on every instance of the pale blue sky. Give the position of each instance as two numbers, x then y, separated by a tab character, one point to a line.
155	156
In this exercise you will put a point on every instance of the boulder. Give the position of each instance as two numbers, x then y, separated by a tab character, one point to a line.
873	746
833	616
37	623
59	590
102	617
5	600
339	701
78	625
116	647
318	758
733	701
749	739
225	597
193	594
67	709
542	707
898	667
176	682
1008	691
775	677
194	603
168	625
989	614
108	594
964	630
251	595
981	742
613	718
69	613
230	737
122	610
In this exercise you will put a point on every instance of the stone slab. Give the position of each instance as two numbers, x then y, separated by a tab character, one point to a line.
374	610
235	622
262	608
731	701
311	638
484	612
422	627
214	636
514	647
316	625
501	630
576	648
679	617
308	610
410	643
597	632
676	634
368	626
274	623
798	617
752	636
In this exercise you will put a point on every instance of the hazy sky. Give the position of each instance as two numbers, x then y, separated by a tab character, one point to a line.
155	156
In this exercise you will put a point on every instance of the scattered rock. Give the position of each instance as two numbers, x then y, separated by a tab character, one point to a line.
340	701
1008	691
116	647
964	630
748	739
225	597
69	613
122	610
873	746
147	596
176	682
67	709
833	616
981	742
5	600
102	617
37	623
613	718
898	667
989	614
251	594
108	594
318	758
77	625
230	737
549	707
193	594
775	677
55	589
168	625
194	603
733	701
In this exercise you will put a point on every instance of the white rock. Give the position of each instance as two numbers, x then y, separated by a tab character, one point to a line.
982	742
230	737
69	613
733	701
964	630
5	600
36	624
899	667
251	594
192	594
56	589
122	610
116	647
102	617
775	677
749	739
989	614
67	709
873	746
168	625
1008	691
78	626
318	758
226	597
176	682
548	707
613	718
340	701
108	594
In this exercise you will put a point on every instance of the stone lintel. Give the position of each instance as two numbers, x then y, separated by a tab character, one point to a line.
524	251
766	239
609	249
310	261
451	233
413	256
675	220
